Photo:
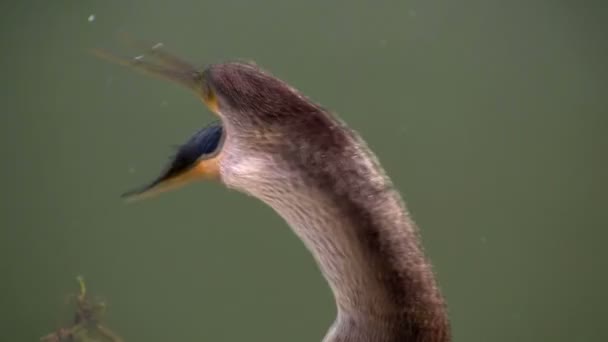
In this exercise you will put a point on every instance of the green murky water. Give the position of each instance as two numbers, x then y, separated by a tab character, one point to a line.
489	116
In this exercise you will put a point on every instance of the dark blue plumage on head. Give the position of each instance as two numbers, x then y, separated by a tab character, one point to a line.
203	144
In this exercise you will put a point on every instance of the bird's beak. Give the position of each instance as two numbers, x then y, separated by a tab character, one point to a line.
201	170
154	61
161	64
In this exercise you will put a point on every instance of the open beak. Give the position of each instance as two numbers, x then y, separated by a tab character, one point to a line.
191	162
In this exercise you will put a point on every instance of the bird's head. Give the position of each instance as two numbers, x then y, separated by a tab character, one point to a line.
262	120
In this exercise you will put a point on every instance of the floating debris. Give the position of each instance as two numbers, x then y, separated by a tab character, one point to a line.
91	18
87	326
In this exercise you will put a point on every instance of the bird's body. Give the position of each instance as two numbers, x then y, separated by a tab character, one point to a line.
320	176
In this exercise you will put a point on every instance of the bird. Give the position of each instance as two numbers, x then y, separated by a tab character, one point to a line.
275	144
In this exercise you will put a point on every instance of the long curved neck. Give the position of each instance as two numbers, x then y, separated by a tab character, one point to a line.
356	225
336	197
383	284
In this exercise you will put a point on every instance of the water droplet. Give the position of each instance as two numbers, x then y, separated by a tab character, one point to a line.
91	18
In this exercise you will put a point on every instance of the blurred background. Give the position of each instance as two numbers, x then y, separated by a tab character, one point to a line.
490	116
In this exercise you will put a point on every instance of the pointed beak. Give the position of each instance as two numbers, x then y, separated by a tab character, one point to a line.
192	161
157	63
150	190
201	170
